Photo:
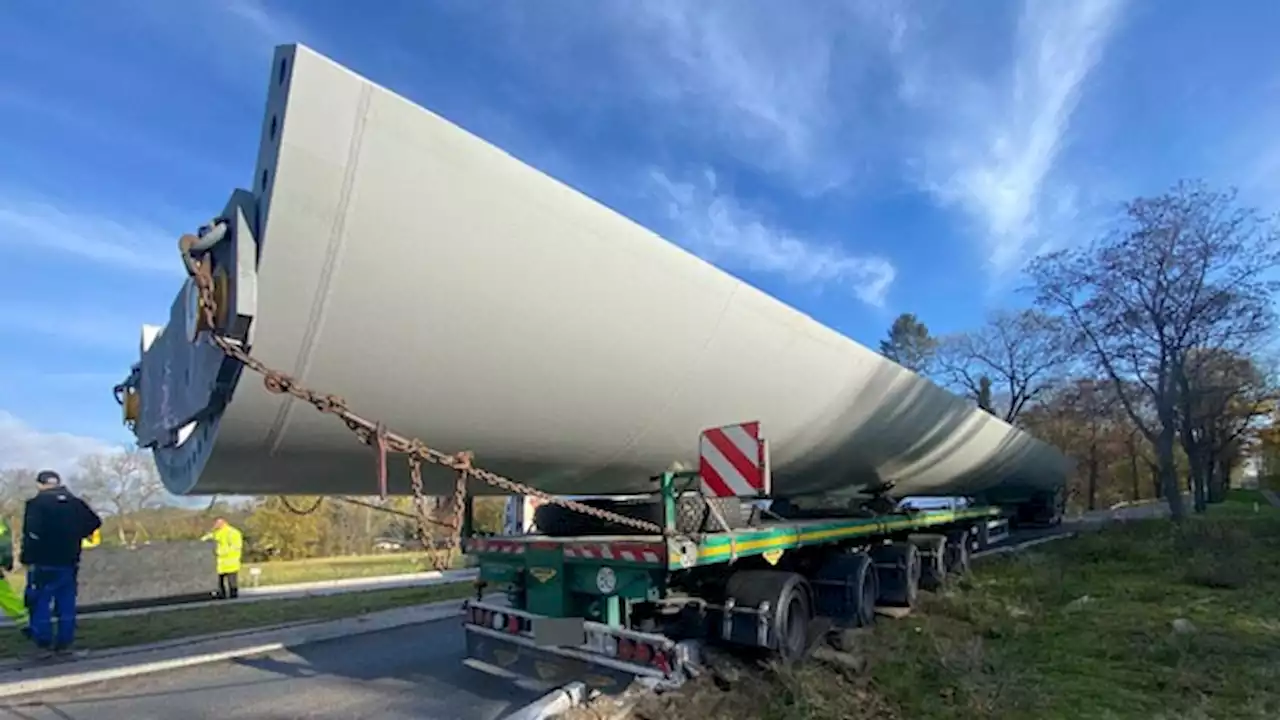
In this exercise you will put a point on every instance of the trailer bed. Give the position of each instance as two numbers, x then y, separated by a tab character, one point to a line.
772	536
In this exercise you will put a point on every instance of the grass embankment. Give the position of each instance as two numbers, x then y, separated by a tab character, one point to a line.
110	632
1136	620
1247	497
287	572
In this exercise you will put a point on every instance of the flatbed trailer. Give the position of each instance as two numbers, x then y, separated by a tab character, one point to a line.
607	607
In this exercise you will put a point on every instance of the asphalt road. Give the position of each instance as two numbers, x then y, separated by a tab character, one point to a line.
412	672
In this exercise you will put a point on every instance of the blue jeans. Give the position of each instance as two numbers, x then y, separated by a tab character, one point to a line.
51	590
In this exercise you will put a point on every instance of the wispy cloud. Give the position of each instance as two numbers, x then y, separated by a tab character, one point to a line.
23	446
715	226
271	25
801	95
41	226
763	79
1251	159
993	142
81	327
233	36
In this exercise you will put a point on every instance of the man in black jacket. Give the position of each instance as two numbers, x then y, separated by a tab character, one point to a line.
54	525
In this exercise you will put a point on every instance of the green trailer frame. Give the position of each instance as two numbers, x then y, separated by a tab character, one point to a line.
598	581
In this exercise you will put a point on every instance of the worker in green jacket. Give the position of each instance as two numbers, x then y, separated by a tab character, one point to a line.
12	605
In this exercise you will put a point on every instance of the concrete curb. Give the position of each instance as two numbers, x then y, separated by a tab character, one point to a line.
175	655
379	582
554	703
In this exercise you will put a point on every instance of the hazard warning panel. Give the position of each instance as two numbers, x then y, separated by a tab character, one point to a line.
733	461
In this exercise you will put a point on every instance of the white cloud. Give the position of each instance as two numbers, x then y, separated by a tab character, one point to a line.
128	245
801	94
765	80
993	142
715	226
23	446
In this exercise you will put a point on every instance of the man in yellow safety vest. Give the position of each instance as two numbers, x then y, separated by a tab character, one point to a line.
228	543
12	605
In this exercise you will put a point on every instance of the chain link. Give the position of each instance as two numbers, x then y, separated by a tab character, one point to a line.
417	452
309	511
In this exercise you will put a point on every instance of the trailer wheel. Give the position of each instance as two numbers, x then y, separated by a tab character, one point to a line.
957	553
790	608
898	571
845	590
1046	509
933	567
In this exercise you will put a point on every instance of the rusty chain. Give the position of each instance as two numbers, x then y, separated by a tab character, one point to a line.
284	501
370	432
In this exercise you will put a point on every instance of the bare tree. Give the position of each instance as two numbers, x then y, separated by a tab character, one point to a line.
122	484
1015	356
1183	270
16	485
1093	401
909	344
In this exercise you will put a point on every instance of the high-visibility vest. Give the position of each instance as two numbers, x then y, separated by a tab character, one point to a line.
6	543
93	540
228	544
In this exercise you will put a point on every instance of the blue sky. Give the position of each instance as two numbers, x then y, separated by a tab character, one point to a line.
856	159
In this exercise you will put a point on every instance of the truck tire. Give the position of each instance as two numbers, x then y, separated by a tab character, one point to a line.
1045	509
693	513
933	568
957	553
790	608
898	572
845	590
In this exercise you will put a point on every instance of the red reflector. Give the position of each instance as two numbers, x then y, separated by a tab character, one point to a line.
513	624
660	660
625	648
642	652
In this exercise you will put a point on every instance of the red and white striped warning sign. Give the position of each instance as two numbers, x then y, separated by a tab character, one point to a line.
731	460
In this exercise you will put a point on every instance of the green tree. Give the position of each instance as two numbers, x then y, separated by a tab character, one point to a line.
277	529
1222	395
909	344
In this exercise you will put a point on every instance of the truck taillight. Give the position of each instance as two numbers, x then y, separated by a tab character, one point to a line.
643	654
662	662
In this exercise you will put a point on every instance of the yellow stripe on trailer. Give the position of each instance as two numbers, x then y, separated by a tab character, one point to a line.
796	537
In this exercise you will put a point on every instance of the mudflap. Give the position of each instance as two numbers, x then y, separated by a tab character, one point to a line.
541	665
